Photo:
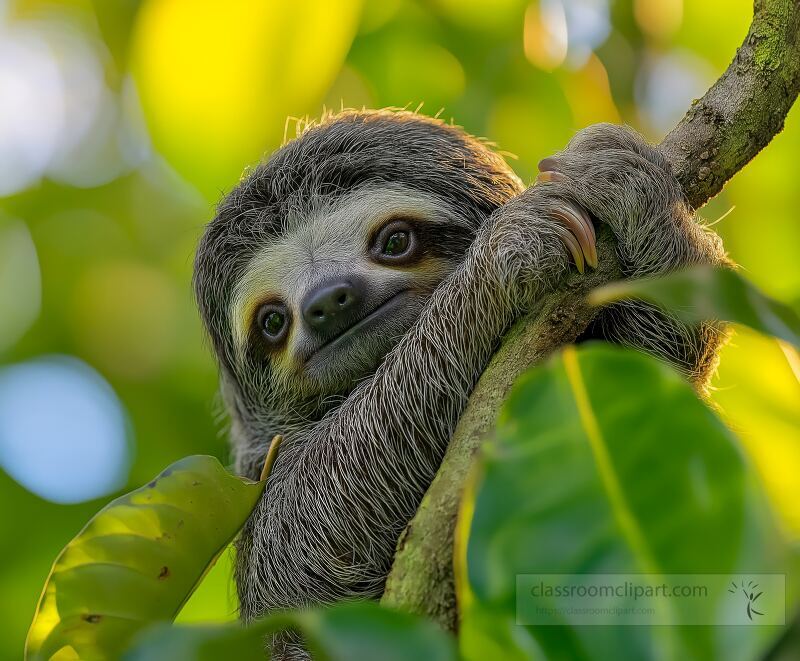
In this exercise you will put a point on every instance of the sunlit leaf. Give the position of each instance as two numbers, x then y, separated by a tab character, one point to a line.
215	599
709	293
763	406
485	633
218	80
342	633
606	462
139	559
762	232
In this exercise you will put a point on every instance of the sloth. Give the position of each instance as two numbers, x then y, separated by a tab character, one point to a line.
354	287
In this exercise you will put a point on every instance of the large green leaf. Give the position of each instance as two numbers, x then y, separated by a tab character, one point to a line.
138	560
704	292
345	632
605	462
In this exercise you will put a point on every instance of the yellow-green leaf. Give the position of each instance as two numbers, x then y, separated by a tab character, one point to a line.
138	560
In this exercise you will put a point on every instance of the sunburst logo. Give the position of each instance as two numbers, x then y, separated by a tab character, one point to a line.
751	595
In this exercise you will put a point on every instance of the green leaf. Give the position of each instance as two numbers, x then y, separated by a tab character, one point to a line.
139	559
198	643
606	462
344	632
707	293
487	633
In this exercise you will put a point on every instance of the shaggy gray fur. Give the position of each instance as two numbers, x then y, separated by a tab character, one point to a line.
356	462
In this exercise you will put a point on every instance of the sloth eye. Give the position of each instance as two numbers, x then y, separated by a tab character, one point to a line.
396	244
273	324
273	321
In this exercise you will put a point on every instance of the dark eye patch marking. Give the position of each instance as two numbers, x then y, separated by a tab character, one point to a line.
445	240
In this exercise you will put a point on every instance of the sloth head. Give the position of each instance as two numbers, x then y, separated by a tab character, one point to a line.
323	256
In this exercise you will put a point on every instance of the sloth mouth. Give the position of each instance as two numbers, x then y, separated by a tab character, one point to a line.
371	318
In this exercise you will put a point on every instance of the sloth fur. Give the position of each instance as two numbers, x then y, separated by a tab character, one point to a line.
360	451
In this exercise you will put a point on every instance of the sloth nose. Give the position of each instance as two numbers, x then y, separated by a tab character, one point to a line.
332	307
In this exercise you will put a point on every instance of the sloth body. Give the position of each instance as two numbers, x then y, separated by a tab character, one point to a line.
355	286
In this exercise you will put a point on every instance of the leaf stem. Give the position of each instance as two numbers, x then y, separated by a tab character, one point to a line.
272	455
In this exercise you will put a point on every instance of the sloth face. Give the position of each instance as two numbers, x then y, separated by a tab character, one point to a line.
326	300
324	255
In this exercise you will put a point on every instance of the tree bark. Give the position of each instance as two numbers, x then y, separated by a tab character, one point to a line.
718	136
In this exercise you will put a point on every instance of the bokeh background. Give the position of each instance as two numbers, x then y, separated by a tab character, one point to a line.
122	122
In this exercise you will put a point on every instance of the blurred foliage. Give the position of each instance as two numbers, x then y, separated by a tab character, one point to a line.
704	292
344	632
124	121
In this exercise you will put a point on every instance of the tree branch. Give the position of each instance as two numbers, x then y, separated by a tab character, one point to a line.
718	136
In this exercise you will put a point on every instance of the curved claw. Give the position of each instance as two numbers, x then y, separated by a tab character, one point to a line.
579	224
582	238
573	246
577	232
550	175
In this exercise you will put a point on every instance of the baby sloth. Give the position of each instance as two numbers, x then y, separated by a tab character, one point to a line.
354	287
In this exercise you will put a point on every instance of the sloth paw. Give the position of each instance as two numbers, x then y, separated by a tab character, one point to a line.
573	224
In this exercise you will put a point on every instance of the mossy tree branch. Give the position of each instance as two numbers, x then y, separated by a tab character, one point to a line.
718	136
